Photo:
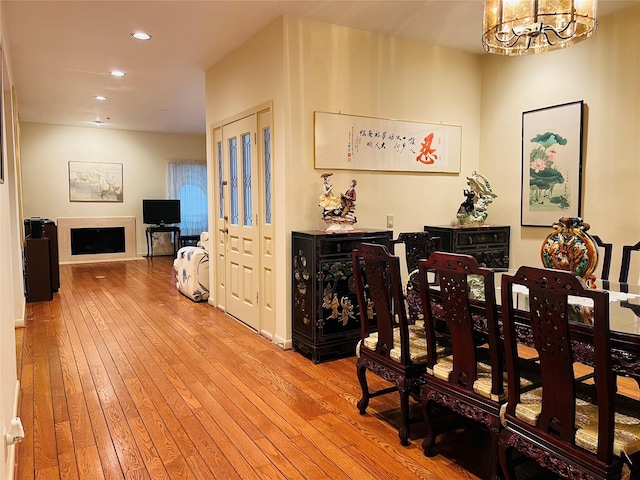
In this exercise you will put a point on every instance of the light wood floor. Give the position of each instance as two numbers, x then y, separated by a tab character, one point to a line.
123	377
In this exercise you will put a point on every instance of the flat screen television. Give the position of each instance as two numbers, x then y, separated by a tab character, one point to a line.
160	212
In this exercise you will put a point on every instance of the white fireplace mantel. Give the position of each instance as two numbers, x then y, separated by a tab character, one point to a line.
65	224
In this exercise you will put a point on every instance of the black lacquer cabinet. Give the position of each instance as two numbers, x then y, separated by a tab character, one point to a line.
489	244
326	316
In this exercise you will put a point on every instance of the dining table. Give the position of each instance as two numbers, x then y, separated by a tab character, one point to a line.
624	321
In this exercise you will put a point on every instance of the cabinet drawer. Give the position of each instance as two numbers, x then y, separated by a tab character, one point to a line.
481	238
344	246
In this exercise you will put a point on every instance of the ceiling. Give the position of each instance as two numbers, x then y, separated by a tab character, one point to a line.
61	52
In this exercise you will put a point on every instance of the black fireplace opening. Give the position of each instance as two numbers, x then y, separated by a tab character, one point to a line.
89	241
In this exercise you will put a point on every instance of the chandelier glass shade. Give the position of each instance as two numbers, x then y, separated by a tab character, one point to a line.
520	27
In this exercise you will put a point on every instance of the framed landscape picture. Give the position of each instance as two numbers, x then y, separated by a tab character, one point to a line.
95	182
551	164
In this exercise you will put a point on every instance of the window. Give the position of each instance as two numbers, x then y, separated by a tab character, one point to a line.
188	182
267	175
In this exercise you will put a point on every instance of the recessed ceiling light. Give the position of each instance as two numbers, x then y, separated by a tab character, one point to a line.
117	73
100	97
141	36
97	122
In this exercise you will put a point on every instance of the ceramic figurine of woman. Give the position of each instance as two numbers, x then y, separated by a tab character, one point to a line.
328	201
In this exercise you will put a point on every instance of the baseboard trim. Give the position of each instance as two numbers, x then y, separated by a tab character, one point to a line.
283	343
19	322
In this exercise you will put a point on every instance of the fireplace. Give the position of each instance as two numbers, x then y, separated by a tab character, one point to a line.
98	239
87	241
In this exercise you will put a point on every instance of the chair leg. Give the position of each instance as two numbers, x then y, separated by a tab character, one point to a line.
634	469
506	462
496	471
363	403
430	438
404	430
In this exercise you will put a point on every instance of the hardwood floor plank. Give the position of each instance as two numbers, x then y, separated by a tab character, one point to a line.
150	455
89	465
58	395
105	445
208	451
233	452
66	455
47	473
46	454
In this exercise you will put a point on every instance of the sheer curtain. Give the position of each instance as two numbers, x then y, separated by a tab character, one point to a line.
188	182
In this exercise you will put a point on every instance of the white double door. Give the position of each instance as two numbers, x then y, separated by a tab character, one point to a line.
244	259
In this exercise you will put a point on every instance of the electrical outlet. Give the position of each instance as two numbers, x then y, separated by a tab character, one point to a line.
389	221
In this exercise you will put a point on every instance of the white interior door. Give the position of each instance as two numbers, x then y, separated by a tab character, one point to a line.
242	249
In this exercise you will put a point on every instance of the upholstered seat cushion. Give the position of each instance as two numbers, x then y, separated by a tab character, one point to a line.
627	426
482	385
417	344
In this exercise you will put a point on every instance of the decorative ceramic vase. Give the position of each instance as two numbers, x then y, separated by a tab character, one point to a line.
570	247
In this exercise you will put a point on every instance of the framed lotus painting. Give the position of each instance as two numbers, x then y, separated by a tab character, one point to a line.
551	164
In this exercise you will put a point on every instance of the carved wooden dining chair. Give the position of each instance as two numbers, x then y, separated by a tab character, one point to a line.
574	428
626	262
470	381
397	351
417	246
606	259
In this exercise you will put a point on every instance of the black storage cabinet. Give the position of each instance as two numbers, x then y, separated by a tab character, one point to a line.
489	244
326	315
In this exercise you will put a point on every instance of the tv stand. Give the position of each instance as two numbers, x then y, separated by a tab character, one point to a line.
175	231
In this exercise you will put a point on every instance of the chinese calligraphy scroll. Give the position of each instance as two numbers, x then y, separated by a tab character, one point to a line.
364	143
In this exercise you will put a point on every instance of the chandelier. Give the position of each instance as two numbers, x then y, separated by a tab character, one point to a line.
519	27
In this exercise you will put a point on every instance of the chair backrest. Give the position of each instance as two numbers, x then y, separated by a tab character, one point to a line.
626	261
554	337
457	275
417	245
378	285
606	260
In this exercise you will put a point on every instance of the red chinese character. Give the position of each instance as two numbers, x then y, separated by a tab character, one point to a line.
427	154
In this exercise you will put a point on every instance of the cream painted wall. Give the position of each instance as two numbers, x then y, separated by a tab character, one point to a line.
47	149
304	66
604	71
336	69
11	291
